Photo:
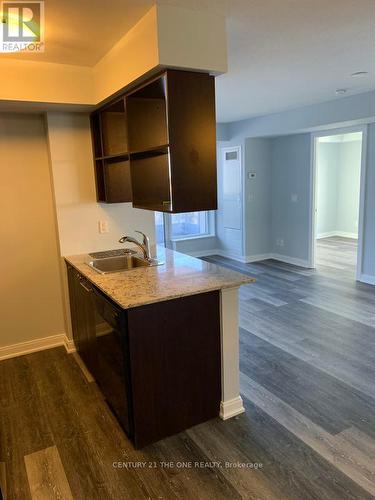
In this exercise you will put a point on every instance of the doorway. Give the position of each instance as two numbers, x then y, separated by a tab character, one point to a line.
231	189
338	186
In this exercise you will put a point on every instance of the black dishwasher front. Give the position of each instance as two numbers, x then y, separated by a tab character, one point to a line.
112	359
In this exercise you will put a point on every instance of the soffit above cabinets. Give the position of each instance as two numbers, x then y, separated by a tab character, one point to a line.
196	42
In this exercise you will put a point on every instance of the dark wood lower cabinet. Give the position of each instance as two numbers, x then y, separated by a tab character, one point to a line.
175	365
82	317
158	366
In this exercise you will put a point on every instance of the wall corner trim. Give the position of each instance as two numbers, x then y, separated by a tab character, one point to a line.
69	345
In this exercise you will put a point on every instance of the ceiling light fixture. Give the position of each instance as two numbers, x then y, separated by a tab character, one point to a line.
341	91
359	74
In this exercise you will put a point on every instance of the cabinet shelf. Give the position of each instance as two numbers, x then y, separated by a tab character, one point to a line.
150	151
118	155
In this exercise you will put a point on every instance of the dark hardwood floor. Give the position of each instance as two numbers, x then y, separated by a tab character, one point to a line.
308	382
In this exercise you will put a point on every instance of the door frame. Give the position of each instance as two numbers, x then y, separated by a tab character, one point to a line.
239	149
313	192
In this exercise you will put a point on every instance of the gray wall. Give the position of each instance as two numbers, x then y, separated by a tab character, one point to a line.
369	216
290	195
282	168
349	179
348	111
327	161
338	185
257	198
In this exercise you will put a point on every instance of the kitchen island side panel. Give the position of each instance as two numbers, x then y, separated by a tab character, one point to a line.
175	365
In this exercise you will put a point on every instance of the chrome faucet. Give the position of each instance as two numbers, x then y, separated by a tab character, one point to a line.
144	246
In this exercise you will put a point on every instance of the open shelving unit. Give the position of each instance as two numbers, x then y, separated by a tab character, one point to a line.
156	145
110	147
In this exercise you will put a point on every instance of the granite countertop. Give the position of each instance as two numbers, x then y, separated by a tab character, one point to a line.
180	276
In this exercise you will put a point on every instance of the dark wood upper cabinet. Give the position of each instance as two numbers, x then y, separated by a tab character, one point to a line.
167	127
147	116
110	149
113	123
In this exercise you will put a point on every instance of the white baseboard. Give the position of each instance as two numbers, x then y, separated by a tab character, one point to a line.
275	256
342	234
22	348
228	255
203	253
257	258
327	234
290	260
231	408
247	259
216	251
367	278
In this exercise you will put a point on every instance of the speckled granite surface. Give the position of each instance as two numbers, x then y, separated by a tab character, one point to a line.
180	276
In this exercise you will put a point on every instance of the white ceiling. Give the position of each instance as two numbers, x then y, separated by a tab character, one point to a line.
289	53
282	54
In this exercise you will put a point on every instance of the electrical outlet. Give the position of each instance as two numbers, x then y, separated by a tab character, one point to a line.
103	226
252	175
280	242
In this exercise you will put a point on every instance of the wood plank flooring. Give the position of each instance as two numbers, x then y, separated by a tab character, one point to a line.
46	475
308	382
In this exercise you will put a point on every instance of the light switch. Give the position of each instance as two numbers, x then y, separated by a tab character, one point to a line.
252	175
294	198
103	226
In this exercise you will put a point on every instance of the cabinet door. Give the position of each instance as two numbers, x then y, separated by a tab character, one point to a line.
82	318
112	364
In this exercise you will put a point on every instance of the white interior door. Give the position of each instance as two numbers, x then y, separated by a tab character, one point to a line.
232	189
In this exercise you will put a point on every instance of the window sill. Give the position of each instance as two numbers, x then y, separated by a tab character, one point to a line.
198	237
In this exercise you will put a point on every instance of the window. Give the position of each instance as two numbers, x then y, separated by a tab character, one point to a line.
191	224
183	226
159	228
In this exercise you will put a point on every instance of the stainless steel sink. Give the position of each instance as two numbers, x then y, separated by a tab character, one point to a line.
120	263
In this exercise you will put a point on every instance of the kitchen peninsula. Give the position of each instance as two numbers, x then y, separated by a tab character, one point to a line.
161	342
